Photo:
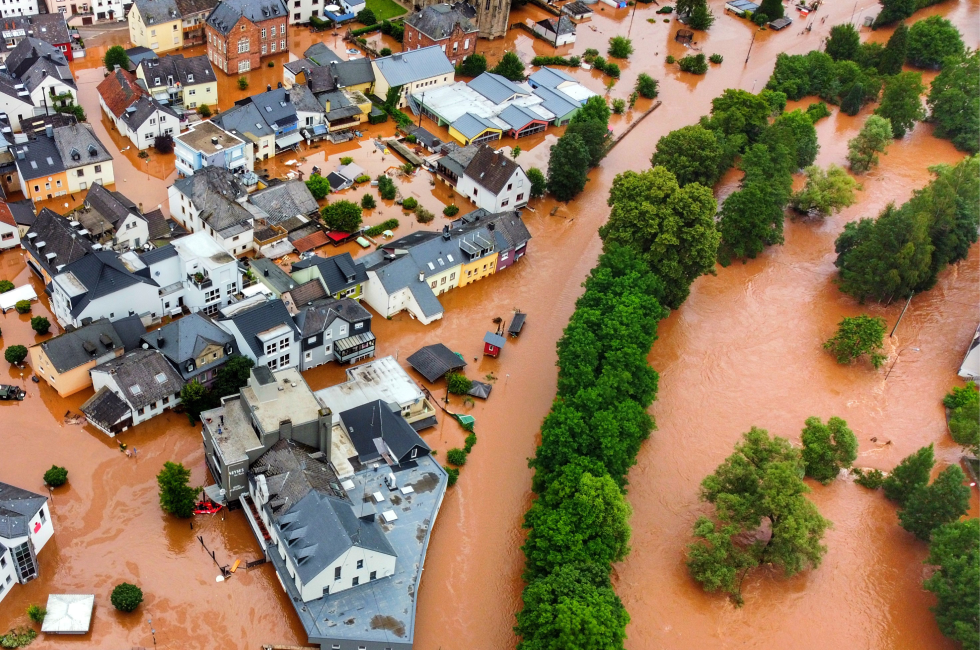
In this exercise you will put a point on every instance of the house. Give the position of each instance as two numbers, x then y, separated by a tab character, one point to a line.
412	71
23	213
193	13
375	421
577	11
42	69
558	32
493	344
494	182
740	7
53	242
155	24
25	527
21	7
247	123
451	166
450	26
112	219
64	361
241	32
206	144
471	128
195	346
284	115
15	101
41	172
136	115
345	10
280	202
212	200
334	330
184	83
100	285
560	92
132	389
136	56
339	275
49	27
435	361
268	273
9	229
84	157
509	231
264	331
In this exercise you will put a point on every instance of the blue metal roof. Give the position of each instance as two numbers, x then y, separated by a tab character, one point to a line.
408	67
471	125
555	101
496	88
550	77
518	117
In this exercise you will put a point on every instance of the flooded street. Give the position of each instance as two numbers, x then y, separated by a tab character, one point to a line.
744	350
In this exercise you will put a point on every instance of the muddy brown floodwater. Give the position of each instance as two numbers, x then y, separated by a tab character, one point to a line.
743	350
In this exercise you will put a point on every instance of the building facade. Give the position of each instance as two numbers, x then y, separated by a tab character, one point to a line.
240	33
451	27
212	200
27	527
208	145
413	71
155	24
182	82
64	361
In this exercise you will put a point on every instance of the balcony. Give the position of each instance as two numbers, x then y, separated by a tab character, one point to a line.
200	281
352	348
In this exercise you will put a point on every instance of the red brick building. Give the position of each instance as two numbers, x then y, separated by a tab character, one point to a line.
240	33
451	27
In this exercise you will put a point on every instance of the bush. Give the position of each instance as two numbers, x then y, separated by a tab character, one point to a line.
346	160
116	55
470	443
344	216
964	417
572	61
871	479
701	17
620	47
386	188
760	18
954	102
408	168
670	59
612	70
385	51
368	202
695	64
453	475
56	476
204	111
619	106
473	66
36	613
40	324
826	191
716	58
374	231
411	138
510	66
318	186
126	597
409	204
458	384
15	354
817	111
857	336
363	178
456	456
450	210
646	85
366	17
242	83
6	285
423	216
271	64
164	143
17	637
22	306
873	138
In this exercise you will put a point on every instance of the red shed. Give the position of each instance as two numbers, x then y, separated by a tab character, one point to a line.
493	344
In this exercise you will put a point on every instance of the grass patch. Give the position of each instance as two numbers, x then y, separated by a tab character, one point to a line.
385	9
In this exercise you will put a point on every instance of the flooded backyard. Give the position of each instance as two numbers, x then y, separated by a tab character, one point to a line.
744	350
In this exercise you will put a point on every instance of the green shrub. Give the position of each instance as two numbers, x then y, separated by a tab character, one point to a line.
6	285
857	336
318	186
385	51
620	47
871	479
374	231
695	64
619	106
760	19
346	160
126	597
572	61
56	476
204	111
17	637
458	384
368	202
411	139
470	442
15	354
22	306
716	58
40	324
666	9
422	215
453	475
36	613
612	70
817	111
366	17
363	178
242	83
386	187
646	85
456	456
410	203
959	397
450	210
670	59
271	64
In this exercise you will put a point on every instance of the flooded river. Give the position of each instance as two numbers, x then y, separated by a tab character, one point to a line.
744	350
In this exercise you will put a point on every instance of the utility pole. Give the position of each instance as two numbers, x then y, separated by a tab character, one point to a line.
747	54
901	315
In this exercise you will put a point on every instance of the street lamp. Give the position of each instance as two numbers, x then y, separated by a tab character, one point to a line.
153	632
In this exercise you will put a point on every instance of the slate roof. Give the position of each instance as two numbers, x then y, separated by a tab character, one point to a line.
414	65
162	228
23	212
260	318
320	54
314	319
130	329
299	65
59	237
32	125
8	86
339	272
273	107
101	274
284	201
434	361
67	350
320	79
491	169
496	88
305	294
184	339
112	206
426	139
214	192
353	73
17	507
244	120
181	68
472	125
457	157
228	12
304	100
577	8
269	273
119	90
78	146
191	7
50	28
105	407
41	158
155	12
437	21
143	377
137	54
32	61
562	26
144	109
375	421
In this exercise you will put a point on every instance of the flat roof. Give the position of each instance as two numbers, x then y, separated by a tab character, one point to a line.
295	402
233	435
200	138
68	614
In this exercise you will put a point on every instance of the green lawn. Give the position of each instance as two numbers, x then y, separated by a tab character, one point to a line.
385	9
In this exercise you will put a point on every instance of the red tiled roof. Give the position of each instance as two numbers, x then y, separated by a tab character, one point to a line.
6	216
310	242
119	90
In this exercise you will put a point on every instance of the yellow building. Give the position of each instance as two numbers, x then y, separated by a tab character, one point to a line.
478	269
156	24
64	361
471	128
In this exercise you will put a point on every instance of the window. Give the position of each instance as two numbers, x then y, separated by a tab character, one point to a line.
374	575
434	283
98	169
189	92
520	197
166	400
212	295
43	518
355	581
475	191
296	4
264	49
358	326
443	281
297	16
360	564
452	276
466	44
510	186
244	66
79	173
141	411
336	573
243	46
282	43
263	33
272	46
504	203
282	31
57	183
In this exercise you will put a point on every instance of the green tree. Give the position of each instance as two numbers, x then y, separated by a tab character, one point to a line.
701	19
116	55
126	597
776	101
869	55
857	336
873	139
964	417
893	57
366	17
692	153
232	376
954	102
15	354
176	494
931	40
749	222
22	306
927	508
568	167
795	131
474	65
694	63
344	216
893	11
950	204
909	475
595	135
739	112
510	66
6	285
595	109
826	191
581	518
854	99
620	47
368	202
458	384
318	186
194	398
538	182
36	613
827	448
671	227
817	111
572	608
773	9
242	83
56	476
761	482
646	85
956	554
901	103
843	43
40	324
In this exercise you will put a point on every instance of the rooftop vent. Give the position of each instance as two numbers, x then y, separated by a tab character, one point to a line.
89	347
106	340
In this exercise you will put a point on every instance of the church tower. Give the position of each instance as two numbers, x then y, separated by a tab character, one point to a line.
492	17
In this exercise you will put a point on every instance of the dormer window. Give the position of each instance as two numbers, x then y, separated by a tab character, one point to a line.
92	151
170	80
156	81
190	78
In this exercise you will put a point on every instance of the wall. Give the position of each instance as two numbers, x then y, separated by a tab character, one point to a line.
160	37
97	173
9	236
478	269
71	381
464	44
8	575
146	133
39	189
100	379
223	51
383	565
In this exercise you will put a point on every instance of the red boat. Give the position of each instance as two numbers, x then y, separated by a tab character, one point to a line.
206	507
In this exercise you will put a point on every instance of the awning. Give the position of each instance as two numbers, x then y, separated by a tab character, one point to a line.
288	140
343	345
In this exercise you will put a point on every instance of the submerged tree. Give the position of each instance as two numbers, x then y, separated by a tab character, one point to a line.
825	192
873	139
858	336
954	102
929	507
956	554
568	167
827	448
909	475
901	102
176	494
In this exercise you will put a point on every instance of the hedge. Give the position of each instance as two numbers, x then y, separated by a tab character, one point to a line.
374	231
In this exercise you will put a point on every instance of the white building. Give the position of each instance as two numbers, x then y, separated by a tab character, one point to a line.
131	389
98	286
208	145
9	230
415	71
264	331
210	275
494	182
25	527
136	115
213	200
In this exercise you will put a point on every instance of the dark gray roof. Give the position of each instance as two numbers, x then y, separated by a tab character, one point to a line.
426	139
143	377
320	54
320	79
372	425
137	54
269	273
184	339
17	508
260	318
59	237
23	212
339	272
144	109
244	120
314	319
416	65
472	125
105	408
496	88
273	107
304	100
577	8
352	73
32	60
68	350
190	7
563	25
214	192
555	101
491	169
112	206
158	254
188	70
458	157
299	65
10	86
284	201
480	389
434	361
78	146
130	330
50	28
162	228
227	13
155	12
102	274
41	158
518	116
437	21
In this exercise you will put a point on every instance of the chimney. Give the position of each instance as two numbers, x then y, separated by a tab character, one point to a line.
287	96
279	85
491	226
265	272
445	232
49	130
214	140
421	276
325	426
268	88
115	67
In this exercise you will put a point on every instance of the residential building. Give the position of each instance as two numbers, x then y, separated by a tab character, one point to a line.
264	331
42	69
340	275
559	89
494	182
280	202
206	144
241	32
112	219
212	200
136	115
9	229
84	12
100	285
84	158
284	110
426	69
268	274
195	346
136	56
155	24
301	10
23	213
64	361
245	122
50	28
492	16
193	13
53	242
41	172
181	82
577	11
25	528
130	390
334	330
19	8
509	232
557	31
450	26
348	10
451	165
